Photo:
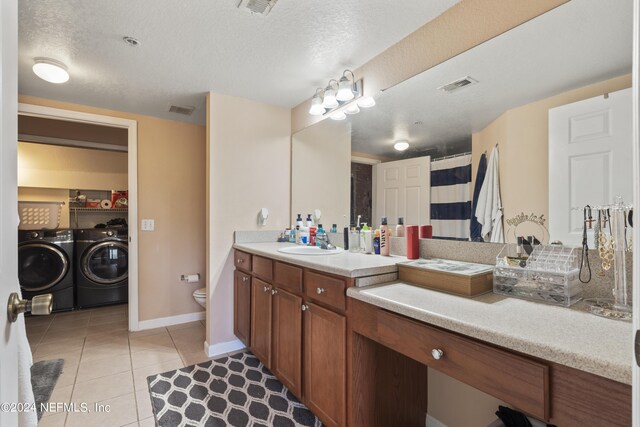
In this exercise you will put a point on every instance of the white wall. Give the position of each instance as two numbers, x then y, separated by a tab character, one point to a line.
321	172
248	168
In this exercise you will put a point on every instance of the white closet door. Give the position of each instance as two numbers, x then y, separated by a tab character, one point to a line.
403	189
590	160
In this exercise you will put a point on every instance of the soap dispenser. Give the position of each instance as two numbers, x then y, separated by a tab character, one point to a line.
366	239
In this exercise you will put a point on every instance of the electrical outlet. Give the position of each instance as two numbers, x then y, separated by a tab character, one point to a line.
148	225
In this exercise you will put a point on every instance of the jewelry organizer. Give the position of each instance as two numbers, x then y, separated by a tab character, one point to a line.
613	242
549	275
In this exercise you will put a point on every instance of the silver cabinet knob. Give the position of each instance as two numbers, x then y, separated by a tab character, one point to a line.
239	260
274	291
305	307
266	288
40	305
245	279
437	353
320	291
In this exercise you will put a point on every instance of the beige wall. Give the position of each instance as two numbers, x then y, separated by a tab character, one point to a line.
171	189
31	194
49	166
248	164
462	27
321	172
522	135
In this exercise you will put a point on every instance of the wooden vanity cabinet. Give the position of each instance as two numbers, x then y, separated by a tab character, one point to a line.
325	364
287	340
261	321
242	307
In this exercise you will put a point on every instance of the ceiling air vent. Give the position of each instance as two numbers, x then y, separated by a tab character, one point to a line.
458	84
181	109
261	7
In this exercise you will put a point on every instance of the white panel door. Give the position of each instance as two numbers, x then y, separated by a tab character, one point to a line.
9	211
403	189
590	160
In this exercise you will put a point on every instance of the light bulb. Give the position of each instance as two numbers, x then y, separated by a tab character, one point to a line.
345	91
330	100
401	145
50	70
352	108
316	106
338	115
366	102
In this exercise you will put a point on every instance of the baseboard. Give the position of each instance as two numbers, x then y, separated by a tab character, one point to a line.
171	320
223	347
432	422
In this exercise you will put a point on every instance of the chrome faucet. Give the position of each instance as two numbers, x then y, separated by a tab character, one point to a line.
324	243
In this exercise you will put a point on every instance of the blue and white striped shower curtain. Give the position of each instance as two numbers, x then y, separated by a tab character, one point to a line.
451	197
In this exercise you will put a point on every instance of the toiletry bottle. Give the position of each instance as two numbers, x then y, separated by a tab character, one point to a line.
310	222
299	222
384	237
376	243
321	236
304	235
298	239
334	228
354	240
413	243
366	239
312	236
400	227
292	235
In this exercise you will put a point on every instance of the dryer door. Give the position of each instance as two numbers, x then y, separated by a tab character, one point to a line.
106	263
41	266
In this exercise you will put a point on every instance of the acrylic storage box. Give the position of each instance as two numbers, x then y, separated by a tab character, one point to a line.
550	275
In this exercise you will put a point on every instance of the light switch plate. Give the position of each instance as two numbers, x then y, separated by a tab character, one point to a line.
148	225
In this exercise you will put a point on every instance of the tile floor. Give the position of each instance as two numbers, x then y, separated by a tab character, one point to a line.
106	364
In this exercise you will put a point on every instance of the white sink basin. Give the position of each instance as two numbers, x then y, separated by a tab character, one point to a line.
309	250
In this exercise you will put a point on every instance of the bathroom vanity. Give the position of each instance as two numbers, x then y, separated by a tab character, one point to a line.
354	345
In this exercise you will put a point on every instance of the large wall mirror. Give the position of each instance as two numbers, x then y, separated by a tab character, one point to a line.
545	108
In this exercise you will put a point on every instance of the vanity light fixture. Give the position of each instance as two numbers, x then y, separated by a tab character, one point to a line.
401	145
338	115
366	102
352	108
330	101
316	104
50	70
345	87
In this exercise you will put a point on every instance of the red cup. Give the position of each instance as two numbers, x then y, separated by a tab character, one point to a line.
426	232
413	246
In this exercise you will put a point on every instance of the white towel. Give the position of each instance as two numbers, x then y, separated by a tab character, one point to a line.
489	208
25	360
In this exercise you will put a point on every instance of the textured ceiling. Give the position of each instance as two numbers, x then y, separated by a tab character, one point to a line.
576	44
191	47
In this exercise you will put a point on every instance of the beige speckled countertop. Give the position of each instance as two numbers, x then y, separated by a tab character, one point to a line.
345	264
569	337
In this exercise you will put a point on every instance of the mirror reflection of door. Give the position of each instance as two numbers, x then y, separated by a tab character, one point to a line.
590	160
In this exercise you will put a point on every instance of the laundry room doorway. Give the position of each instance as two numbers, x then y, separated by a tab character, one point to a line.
109	234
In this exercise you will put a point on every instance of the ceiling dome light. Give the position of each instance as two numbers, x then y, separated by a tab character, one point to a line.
316	104
345	87
330	100
50	70
366	102
338	115
352	108
401	145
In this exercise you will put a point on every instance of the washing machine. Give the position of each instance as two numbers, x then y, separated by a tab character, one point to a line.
45	265
102	267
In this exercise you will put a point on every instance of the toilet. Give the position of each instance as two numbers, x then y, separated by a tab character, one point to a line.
200	295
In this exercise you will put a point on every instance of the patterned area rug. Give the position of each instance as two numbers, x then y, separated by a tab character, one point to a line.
231	391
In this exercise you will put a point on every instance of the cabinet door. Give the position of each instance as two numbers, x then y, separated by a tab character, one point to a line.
287	340
325	364
242	307
261	321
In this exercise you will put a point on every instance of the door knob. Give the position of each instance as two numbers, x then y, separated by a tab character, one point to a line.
437	354
40	305
319	291
305	307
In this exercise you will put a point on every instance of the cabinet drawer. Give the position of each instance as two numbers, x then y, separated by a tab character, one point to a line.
288	277
262	267
242	260
325	289
517	380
